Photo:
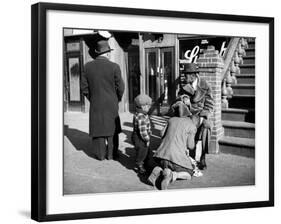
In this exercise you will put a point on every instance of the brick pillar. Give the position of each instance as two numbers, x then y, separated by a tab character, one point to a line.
211	66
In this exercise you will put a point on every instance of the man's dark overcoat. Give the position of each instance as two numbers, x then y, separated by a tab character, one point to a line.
102	84
201	99
202	105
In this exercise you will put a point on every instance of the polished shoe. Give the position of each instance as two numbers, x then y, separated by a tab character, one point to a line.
202	165
167	178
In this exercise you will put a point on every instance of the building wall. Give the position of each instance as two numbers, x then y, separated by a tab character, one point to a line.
119	56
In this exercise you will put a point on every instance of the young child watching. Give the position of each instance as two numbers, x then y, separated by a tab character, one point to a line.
141	131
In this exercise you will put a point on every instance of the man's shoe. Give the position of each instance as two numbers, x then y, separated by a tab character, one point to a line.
154	175
202	165
167	178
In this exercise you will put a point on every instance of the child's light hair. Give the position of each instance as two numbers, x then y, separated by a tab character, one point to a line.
142	100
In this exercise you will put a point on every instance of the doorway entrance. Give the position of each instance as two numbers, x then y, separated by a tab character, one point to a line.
160	77
74	66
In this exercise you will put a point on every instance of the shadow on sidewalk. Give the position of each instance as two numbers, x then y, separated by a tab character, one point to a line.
80	140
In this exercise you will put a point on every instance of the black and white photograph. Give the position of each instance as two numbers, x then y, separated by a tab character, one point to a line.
140	112
150	111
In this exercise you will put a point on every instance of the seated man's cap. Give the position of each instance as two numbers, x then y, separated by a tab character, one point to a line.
190	68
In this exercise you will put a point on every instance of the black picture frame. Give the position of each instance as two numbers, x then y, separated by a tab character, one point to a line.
39	114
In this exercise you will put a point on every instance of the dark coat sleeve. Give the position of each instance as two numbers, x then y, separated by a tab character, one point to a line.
119	83
85	86
208	104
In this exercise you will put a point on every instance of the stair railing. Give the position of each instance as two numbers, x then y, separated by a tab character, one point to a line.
233	57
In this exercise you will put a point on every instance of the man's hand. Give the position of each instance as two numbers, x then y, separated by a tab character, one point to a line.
147	144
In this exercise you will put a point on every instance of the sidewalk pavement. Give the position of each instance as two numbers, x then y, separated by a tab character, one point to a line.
84	174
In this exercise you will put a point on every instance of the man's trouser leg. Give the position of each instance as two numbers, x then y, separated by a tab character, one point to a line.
206	135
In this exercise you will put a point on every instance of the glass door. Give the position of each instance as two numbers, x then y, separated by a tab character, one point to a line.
167	68
152	73
160	76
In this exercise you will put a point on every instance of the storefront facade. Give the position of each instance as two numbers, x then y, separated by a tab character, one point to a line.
150	63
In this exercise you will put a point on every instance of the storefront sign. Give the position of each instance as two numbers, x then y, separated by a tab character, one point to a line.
191	48
192	55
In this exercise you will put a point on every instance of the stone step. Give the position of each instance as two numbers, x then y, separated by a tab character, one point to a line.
244	89
247	69
249	39
239	129
250	51
237	146
245	79
251	44
242	101
249	60
233	114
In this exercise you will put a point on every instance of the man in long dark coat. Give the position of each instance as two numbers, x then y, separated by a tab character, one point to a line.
202	105
102	84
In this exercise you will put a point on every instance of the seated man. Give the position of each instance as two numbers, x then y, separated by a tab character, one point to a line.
202	105
172	154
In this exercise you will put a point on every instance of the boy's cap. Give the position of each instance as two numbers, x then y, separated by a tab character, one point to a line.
142	100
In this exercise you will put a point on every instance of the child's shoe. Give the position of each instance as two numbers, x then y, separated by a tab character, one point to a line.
141	169
154	175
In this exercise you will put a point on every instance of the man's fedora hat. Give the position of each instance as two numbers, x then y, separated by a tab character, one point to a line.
102	47
191	68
